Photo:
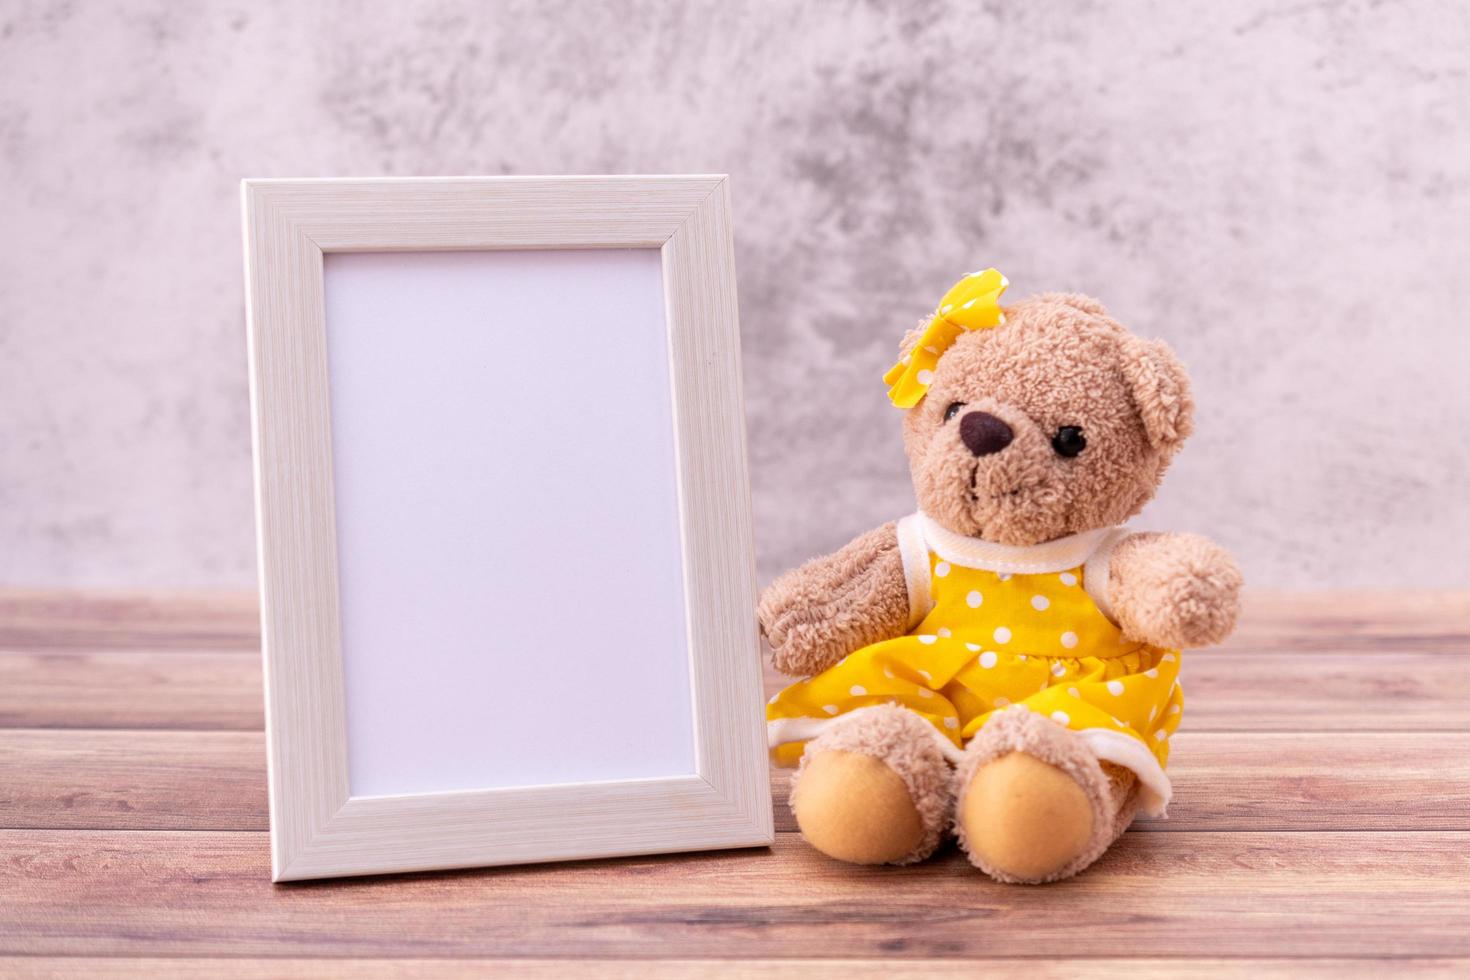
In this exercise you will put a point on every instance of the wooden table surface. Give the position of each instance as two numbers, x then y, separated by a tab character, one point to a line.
1321	826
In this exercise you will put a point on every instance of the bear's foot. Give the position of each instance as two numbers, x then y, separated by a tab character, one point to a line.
1033	804
873	788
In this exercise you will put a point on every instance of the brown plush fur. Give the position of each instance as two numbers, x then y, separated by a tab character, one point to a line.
1058	360
1052	364
1174	590
819	613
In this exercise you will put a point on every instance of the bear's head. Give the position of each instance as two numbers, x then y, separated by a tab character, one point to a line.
1055	422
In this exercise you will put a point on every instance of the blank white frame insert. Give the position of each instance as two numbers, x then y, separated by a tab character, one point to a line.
473	498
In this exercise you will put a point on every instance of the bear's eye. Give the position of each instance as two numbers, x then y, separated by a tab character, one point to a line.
953	410
1068	441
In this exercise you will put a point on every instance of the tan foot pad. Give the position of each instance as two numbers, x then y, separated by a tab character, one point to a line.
1032	802
1025	818
854	808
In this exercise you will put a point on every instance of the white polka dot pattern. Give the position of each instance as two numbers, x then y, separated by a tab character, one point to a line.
1003	641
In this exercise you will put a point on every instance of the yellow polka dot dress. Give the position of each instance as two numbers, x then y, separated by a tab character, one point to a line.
998	628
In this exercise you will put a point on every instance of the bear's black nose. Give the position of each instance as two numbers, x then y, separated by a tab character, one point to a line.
984	434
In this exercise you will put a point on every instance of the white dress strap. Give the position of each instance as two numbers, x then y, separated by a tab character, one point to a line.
1095	572
915	554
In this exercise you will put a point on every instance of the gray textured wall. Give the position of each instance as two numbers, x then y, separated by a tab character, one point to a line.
1282	191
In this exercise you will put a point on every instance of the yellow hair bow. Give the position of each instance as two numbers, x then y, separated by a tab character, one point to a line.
973	303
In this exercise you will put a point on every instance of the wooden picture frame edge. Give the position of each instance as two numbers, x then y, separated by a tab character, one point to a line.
318	830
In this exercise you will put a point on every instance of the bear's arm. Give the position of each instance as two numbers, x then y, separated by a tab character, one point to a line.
817	614
1173	590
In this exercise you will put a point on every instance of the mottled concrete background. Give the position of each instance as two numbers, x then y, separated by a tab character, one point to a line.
1281	190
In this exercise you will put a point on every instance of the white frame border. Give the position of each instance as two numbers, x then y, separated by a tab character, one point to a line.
319	830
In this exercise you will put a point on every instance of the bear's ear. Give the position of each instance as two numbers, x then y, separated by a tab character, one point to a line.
1161	392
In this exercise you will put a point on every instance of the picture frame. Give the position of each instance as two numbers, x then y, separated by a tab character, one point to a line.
331	377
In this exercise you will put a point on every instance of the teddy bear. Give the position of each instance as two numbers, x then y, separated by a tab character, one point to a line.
1003	664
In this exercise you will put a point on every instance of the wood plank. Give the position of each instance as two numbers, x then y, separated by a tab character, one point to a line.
1332	621
143	689
1337	621
67	968
1153	895
129	780
151	780
1253	885
1298	782
1227	690
1230	690
49	619
1327	781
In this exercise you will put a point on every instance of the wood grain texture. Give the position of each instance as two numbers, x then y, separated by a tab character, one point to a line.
132	780
1254	782
1326	691
63	688
161	780
143	689
32	619
1319	830
1232	690
208	894
1271	622
1340	621
67	968
296	535
430	213
715	510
